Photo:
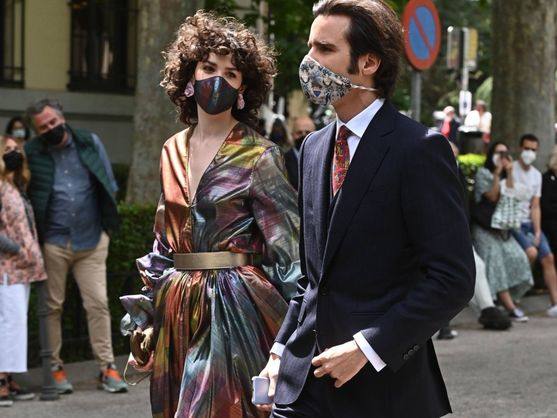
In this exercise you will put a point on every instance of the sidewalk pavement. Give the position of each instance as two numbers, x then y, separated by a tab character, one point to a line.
488	374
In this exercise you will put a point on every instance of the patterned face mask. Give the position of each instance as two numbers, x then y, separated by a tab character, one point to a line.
323	86
215	95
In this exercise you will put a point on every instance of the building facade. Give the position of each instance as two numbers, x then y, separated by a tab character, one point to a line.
81	52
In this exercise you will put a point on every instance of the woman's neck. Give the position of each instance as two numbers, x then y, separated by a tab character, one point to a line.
10	177
214	126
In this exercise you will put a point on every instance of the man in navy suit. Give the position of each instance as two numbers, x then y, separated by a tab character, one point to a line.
385	248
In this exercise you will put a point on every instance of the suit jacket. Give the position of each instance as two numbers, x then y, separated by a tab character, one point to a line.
392	259
291	163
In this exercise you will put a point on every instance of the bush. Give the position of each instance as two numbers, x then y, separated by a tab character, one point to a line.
469	164
134	239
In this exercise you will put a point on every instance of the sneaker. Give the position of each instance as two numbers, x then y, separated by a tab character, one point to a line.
447	333
493	318
5	399
63	386
111	381
17	392
518	315
552	312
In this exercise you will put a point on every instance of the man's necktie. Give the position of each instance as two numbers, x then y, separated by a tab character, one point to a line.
341	158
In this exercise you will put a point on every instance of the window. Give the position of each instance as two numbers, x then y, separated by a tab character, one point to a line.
103	45
11	43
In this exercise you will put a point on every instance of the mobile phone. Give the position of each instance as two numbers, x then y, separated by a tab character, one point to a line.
260	391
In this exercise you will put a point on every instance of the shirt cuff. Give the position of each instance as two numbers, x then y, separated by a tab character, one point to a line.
369	352
277	349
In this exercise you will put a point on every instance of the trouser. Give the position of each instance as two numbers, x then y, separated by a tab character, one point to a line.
482	295
89	271
14	303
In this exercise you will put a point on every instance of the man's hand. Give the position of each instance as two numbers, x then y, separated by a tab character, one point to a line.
270	371
341	362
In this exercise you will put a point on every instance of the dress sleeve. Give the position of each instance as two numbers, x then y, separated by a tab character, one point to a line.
153	269
275	210
484	181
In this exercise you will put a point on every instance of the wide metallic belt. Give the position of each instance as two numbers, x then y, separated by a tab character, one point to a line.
214	260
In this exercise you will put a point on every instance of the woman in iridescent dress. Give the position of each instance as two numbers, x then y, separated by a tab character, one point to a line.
225	259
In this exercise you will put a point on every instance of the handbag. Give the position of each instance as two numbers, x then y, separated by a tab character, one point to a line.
142	345
507	213
482	212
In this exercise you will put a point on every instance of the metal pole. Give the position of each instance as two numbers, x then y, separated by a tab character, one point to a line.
416	95
48	389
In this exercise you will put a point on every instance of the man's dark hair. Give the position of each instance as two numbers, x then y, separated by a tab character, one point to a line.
529	137
374	28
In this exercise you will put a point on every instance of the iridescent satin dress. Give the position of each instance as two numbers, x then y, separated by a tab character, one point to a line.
214	328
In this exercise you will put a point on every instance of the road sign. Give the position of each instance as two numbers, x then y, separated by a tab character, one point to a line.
422	33
470	48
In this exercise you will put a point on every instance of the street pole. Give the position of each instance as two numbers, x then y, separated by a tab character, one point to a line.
416	95
48	389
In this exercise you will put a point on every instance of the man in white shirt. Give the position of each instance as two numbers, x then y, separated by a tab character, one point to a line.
530	235
385	248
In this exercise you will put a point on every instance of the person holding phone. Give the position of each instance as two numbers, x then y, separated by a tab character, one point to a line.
508	272
225	259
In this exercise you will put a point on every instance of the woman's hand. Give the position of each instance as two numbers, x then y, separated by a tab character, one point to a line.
508	165
142	369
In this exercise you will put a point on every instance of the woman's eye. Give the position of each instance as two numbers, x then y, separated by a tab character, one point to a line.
208	69
232	75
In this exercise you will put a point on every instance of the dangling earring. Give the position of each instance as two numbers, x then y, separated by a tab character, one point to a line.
189	89
240	103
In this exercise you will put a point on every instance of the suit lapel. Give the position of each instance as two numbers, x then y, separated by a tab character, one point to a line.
322	172
368	158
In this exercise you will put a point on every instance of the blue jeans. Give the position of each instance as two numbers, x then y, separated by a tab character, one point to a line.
525	236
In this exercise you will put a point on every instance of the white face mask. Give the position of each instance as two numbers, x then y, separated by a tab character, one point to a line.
18	133
496	159
528	156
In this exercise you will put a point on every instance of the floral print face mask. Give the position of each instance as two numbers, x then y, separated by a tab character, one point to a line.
323	86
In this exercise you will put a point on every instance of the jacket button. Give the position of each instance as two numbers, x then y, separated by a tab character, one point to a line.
405	357
416	347
324	290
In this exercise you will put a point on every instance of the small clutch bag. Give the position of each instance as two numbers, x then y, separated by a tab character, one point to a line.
141	345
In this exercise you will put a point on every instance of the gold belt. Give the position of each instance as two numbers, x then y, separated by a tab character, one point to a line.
214	260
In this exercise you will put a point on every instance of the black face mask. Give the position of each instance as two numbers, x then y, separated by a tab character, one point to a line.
298	141
215	95
55	135
13	160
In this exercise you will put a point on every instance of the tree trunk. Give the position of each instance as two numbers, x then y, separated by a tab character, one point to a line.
524	63
155	117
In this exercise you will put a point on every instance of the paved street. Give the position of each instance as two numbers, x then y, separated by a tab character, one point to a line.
506	374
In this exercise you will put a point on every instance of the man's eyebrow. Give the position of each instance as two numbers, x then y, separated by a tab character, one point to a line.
321	44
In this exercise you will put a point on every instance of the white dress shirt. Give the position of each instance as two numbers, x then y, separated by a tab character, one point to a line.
357	125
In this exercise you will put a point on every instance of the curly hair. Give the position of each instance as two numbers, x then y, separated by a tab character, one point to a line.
204	33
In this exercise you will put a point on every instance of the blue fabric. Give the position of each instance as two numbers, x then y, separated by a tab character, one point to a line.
74	214
525	237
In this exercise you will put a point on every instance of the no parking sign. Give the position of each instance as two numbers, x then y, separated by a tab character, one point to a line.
422	33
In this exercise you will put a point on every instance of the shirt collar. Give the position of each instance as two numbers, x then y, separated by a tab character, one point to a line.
359	123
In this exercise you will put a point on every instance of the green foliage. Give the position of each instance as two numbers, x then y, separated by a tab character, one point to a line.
469	164
134	238
121	174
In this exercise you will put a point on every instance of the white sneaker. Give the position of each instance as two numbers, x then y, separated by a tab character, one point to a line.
518	315
552	312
